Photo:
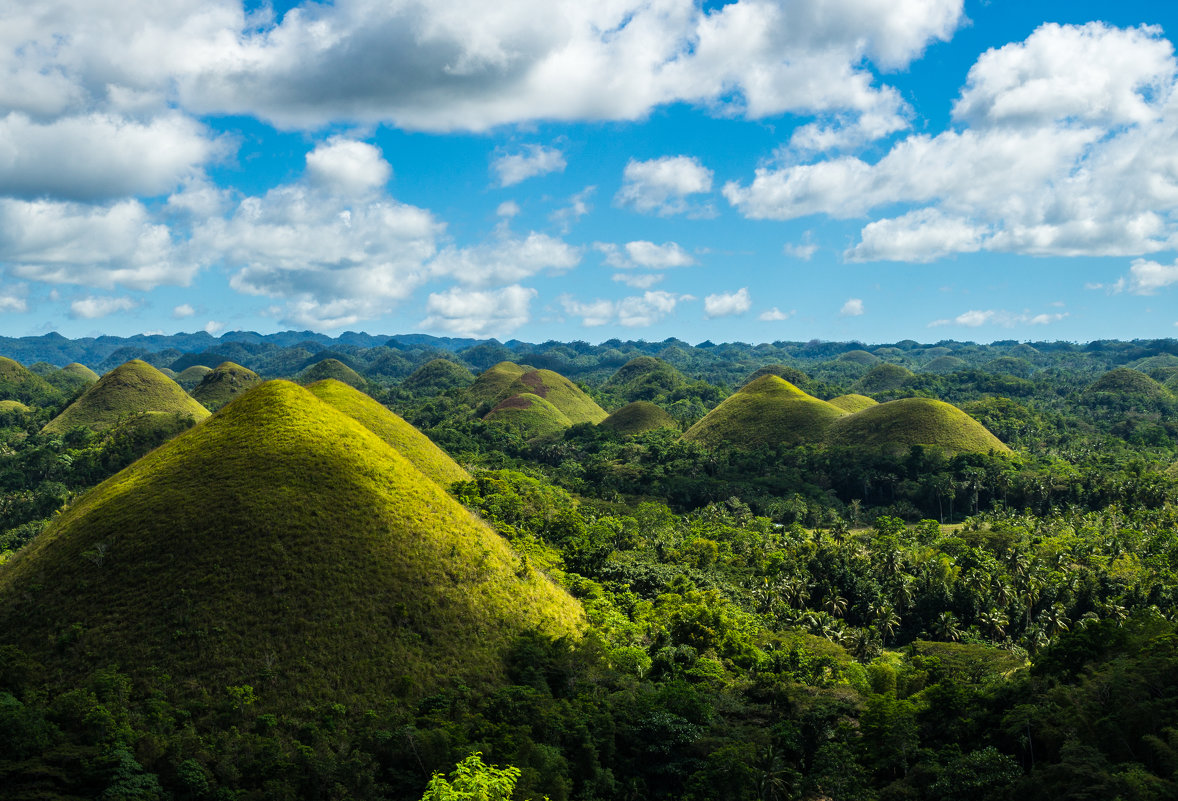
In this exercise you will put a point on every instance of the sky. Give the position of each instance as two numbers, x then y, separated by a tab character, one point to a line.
759	170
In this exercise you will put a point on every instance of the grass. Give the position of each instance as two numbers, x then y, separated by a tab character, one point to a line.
859	357
560	392
900	424
791	374
283	545
643	378
130	389
224	384
332	368
882	378
942	365
21	384
768	411
529	415
853	403
190	377
437	376
407	440
636	417
1124	381
490	384
13	406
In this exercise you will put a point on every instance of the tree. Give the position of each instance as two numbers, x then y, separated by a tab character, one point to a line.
472	780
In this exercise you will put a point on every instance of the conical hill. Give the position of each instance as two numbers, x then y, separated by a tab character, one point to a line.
281	545
224	384
636	417
529	415
560	392
19	383
644	378
131	389
883	377
437	376
407	440
1124	381
900	424
81	371
332	368
190	377
768	411
489	385
853	403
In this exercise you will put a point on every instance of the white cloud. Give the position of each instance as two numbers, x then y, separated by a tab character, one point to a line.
852	308
478	313
774	314
727	304
507	260
802	250
93	307
975	318
1066	145
638	280
632	312
96	246
578	207
182	311
663	186
1147	277
12	300
214	327
658	257
347	167
513	168
508	209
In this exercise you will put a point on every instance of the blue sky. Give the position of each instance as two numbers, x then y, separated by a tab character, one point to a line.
549	169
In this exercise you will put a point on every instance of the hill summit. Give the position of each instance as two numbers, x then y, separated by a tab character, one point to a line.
131	389
224	384
767	411
283	545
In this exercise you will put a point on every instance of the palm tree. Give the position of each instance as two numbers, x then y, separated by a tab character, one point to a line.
994	622
946	627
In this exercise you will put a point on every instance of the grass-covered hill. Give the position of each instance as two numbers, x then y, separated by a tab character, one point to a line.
644	378
943	365
280	545
131	389
768	411
528	415
21	384
882	378
408	441
332	368
81	371
491	383
859	357
899	424
437	376
557	390
853	403
791	374
1125	382
224	384
190	377
636	417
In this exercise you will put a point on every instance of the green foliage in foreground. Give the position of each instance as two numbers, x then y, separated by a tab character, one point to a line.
131	389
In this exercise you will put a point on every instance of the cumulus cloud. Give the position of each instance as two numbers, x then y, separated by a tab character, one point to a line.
93	307
975	318
97	246
347	167
1147	277
638	280
727	304
852	308
1064	146
508	209
633	312
12	300
474	313
774	314
578	206
512	168
506	260
663	186
641	253
182	311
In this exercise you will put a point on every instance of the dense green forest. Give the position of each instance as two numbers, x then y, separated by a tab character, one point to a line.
807	570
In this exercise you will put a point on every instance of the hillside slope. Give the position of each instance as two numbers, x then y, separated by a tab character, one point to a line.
131	389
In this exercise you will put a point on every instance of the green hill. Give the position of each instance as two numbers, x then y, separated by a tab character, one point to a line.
1125	382
853	403
529	415
942	365
899	424
81	371
13	406
644	378
560	392
132	389
883	378
409	442
224	384
859	357
437	376
190	377
281	545
21	384
1009	365
490	384
791	374
769	411
332	368
636	417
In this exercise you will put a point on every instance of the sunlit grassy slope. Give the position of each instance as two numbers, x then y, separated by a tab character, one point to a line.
283	545
768	411
560	392
852	403
791	374
636	417
529	415
332	368
489	385
19	383
224	384
408	441
902	423
130	389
